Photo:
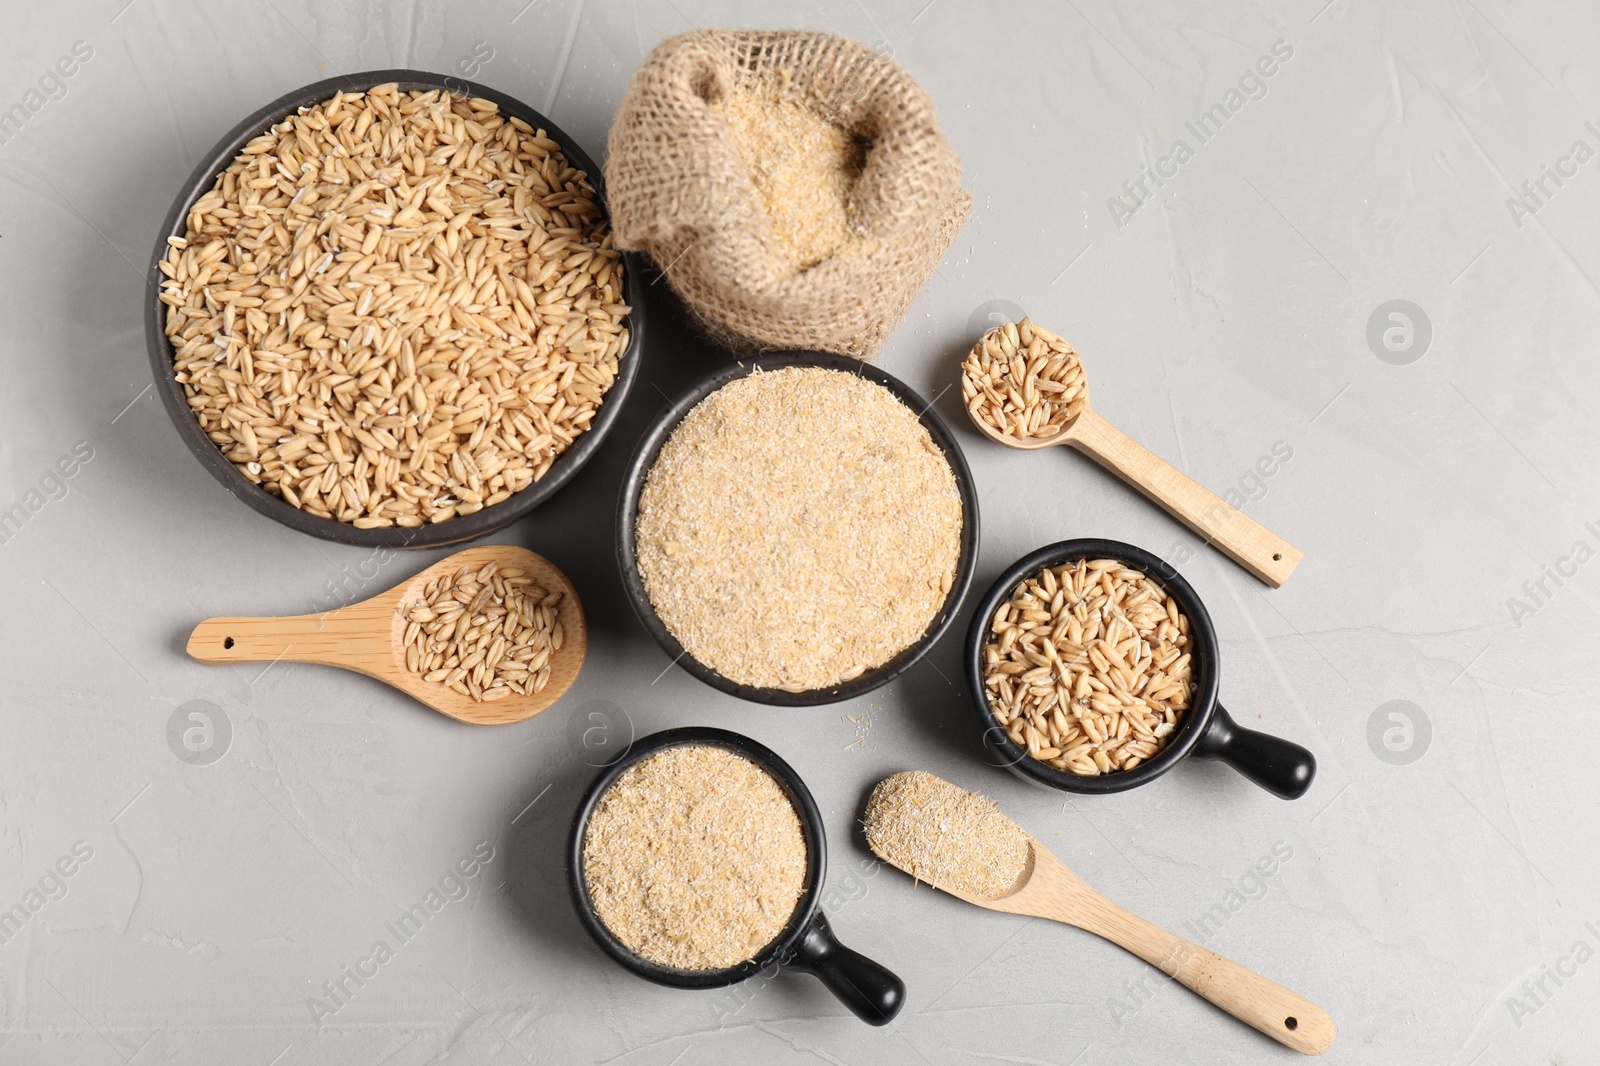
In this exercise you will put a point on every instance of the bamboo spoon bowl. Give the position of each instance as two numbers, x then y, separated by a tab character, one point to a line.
1048	889
1244	540
369	638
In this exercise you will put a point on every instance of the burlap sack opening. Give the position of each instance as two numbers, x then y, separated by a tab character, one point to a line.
678	190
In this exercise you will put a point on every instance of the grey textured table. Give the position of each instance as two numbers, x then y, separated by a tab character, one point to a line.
1437	649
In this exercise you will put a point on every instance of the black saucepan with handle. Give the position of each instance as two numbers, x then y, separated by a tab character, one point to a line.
1207	731
806	943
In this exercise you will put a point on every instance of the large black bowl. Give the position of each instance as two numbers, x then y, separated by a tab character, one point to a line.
455	530
807	943
645	457
1207	731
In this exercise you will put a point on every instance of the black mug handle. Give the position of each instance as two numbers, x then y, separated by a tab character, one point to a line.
1277	765
872	993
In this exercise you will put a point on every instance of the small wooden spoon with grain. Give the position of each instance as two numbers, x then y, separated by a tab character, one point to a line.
369	638
1241	538
963	844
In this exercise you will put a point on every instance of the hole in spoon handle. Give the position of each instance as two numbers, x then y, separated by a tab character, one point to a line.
1241	538
1282	1014
306	638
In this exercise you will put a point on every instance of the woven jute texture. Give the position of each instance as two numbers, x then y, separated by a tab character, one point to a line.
678	189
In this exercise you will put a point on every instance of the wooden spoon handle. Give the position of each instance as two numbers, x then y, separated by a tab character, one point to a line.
1244	540
338	638
1286	1016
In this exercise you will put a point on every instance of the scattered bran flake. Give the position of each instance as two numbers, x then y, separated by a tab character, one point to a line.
802	165
798	528
942	834
695	858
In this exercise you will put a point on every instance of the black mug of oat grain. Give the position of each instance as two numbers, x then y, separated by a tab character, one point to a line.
1092	667
697	861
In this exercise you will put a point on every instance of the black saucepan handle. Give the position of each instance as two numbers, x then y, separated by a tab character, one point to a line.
1277	765
872	993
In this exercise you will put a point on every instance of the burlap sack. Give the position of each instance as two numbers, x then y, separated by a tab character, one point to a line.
678	190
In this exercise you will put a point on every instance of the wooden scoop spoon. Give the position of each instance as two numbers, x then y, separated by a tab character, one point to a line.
945	836
369	638
1245	541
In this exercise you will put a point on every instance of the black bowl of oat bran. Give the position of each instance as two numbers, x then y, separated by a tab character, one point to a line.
697	861
797	529
1117	706
343	323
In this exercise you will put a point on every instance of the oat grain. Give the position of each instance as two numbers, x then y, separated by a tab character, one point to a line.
1024	381
395	308
1087	666
490	630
